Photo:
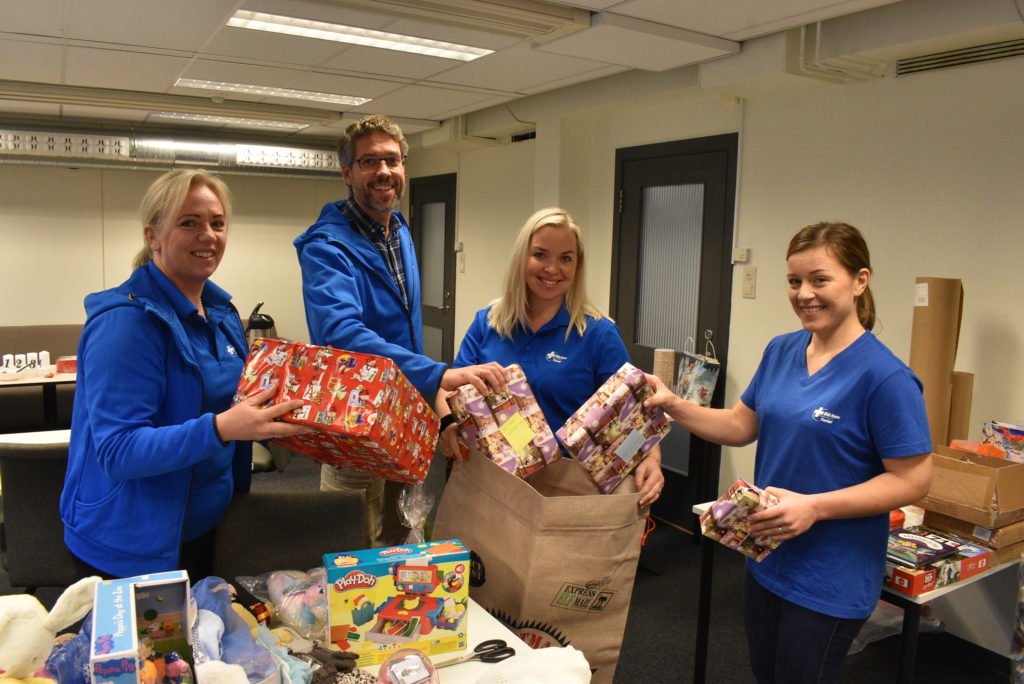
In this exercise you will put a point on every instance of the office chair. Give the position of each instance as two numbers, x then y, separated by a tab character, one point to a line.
32	534
287	530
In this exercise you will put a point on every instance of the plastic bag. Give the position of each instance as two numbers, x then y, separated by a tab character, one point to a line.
1017	647
297	598
886	621
414	504
212	596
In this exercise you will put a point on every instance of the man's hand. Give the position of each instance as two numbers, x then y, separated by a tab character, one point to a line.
488	378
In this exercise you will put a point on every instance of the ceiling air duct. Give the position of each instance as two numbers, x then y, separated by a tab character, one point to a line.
952	58
148	151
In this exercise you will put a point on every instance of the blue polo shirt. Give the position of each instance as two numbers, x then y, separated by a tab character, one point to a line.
220	366
562	371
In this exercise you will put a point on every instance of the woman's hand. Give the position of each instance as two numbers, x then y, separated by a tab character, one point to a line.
248	419
663	397
449	443
649	478
791	517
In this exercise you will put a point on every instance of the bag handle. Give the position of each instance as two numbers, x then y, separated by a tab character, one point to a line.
709	351
690	347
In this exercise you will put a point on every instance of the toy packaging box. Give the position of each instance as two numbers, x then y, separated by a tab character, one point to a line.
414	596
366	414
135	618
725	521
508	427
966	561
611	433
1006	436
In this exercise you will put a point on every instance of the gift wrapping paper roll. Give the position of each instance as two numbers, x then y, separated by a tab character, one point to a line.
664	366
938	310
960	406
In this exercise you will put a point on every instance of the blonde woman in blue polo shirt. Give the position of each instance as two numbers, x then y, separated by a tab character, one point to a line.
545	322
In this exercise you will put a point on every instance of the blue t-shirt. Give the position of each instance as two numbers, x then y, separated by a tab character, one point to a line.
562	372
220	366
824	432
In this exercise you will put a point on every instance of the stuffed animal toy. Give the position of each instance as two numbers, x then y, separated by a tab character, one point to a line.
299	600
27	630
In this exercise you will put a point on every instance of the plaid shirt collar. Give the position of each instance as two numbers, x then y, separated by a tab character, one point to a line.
389	246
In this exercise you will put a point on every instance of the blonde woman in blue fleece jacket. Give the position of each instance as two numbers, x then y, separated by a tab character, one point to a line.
157	450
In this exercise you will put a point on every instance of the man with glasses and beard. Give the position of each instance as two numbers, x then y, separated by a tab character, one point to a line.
361	288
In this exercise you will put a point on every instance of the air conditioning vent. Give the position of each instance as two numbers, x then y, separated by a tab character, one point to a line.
953	58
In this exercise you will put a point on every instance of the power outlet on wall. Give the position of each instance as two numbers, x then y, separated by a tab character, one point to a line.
749	282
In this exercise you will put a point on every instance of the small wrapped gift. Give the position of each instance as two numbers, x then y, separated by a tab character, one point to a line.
508	426
367	414
726	520
612	432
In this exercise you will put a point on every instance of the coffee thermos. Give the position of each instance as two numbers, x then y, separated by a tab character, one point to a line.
259	325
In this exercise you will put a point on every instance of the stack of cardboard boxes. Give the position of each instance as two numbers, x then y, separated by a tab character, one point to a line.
979	500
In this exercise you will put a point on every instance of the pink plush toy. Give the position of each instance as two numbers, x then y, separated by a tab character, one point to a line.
299	601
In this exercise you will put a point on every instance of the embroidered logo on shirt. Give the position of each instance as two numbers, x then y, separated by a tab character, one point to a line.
823	415
231	350
555	358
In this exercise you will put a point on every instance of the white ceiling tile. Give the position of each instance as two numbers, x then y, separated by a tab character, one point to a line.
124	70
28	61
263	46
181	24
601	72
516	69
33	17
639	44
418	102
236	72
334	12
378	61
740	19
20	108
452	33
343	85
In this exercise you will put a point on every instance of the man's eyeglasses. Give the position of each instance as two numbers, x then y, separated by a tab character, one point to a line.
372	163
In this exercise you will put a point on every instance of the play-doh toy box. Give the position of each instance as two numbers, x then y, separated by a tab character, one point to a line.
135	620
413	596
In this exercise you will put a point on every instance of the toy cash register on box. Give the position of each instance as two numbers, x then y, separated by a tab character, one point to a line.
415	596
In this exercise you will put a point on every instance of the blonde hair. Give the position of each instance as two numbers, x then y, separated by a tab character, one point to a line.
166	195
511	309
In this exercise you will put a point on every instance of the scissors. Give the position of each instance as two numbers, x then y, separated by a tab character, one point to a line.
490	651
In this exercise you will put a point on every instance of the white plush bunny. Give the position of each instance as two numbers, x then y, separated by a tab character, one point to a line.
27	630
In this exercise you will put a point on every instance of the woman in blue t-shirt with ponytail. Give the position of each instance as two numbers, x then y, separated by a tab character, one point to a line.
842	439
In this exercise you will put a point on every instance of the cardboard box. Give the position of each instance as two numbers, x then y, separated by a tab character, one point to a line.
366	413
1008	554
994	538
134	616
508	427
979	489
612	432
382	600
969	560
725	521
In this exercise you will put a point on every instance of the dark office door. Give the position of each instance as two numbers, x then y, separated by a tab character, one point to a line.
672	281
432	223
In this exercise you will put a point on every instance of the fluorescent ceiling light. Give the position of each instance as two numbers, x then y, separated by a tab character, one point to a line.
272	92
340	33
229	120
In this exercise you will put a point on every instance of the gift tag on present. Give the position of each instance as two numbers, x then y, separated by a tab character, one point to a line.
698	374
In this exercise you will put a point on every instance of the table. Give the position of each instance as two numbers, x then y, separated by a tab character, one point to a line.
482	626
911	609
49	386
912	614
40	437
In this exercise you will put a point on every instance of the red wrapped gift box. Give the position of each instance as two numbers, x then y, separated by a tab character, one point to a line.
612	432
367	414
508	427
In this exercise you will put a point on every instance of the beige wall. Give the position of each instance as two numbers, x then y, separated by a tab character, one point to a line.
928	166
67	233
